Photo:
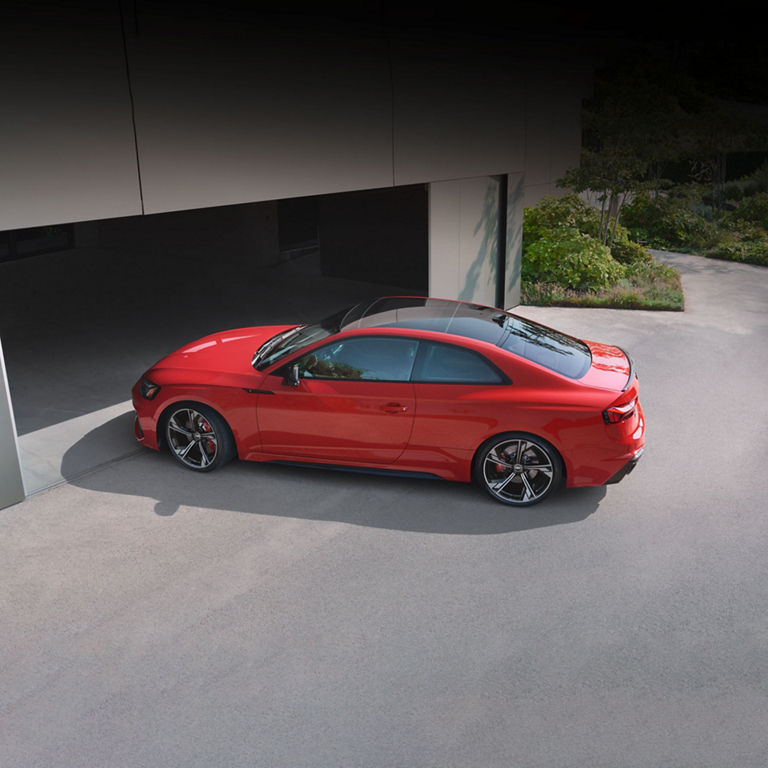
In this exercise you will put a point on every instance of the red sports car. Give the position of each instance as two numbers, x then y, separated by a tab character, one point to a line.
403	385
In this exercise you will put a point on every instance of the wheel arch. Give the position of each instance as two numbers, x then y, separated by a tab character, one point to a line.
517	433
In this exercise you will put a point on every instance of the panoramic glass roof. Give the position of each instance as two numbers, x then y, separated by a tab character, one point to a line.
441	315
537	343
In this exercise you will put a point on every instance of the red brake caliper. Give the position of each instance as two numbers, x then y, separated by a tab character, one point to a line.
206	427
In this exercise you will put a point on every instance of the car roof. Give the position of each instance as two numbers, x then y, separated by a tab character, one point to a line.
524	338
459	318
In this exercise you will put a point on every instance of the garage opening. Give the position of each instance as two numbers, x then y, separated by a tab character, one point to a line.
85	308
378	236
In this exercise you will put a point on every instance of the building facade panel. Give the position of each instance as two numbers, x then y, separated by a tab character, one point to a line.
233	109
464	239
458	108
67	149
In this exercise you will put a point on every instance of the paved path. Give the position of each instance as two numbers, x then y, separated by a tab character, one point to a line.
268	616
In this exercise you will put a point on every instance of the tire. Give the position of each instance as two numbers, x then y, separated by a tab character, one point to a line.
518	469
198	437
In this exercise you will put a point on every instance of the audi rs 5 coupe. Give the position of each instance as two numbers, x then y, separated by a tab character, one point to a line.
403	385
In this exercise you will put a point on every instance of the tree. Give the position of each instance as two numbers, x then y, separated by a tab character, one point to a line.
630	131
645	114
714	133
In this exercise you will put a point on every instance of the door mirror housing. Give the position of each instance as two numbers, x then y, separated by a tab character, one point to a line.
292	376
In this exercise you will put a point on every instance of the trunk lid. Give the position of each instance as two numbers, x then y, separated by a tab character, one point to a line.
611	367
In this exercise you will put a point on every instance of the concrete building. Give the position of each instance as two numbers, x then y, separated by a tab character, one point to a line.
137	138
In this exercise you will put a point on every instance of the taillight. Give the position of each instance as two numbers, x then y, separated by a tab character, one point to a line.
620	412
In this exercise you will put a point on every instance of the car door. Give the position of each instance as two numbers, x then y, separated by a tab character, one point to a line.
353	402
460	397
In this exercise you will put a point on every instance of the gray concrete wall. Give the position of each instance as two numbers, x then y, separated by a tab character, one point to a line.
11	484
467	242
67	148
553	96
128	108
458	108
231	108
463	239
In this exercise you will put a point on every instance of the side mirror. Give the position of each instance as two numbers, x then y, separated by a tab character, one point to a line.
292	377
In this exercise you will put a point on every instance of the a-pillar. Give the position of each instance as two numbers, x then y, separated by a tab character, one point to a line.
475	239
11	483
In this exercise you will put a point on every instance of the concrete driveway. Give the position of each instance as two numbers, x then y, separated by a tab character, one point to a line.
269	616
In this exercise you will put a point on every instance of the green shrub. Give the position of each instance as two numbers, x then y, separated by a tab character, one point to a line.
627	251
733	191
742	241
571	211
665	222
757	181
753	210
570	258
651	269
741	230
556	212
746	251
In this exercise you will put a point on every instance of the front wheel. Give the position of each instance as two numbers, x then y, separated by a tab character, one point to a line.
198	438
518	469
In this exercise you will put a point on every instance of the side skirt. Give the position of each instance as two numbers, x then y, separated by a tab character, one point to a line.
359	470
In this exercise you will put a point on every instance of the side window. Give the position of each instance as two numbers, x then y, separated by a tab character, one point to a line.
378	358
445	363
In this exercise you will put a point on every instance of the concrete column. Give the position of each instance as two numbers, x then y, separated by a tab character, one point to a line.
467	258
11	483
514	239
463	239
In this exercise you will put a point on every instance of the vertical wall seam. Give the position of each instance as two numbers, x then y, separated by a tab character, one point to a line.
131	101
392	104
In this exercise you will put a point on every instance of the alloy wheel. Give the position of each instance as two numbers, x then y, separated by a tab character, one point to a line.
519	470
192	438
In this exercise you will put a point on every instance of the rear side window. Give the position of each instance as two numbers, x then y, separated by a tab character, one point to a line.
447	364
545	346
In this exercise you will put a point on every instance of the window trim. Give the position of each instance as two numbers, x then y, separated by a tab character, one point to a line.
282	370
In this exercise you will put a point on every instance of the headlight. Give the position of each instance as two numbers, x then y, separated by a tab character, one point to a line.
148	389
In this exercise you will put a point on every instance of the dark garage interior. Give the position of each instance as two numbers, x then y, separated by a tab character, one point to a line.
85	308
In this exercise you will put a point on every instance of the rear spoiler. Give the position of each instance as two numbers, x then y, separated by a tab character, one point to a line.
631	370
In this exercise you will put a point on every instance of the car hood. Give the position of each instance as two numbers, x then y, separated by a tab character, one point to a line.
611	367
224	352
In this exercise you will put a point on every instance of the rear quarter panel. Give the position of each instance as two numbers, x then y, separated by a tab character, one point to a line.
456	419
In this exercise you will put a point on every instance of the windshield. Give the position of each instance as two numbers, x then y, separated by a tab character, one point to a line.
285	343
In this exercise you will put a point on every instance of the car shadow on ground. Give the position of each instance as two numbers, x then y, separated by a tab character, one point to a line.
393	503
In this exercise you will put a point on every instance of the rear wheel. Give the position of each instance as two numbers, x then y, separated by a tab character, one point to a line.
197	437
517	468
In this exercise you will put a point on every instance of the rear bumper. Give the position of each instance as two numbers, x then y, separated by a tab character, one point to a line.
626	469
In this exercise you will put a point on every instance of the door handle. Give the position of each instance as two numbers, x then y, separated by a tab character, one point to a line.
395	408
